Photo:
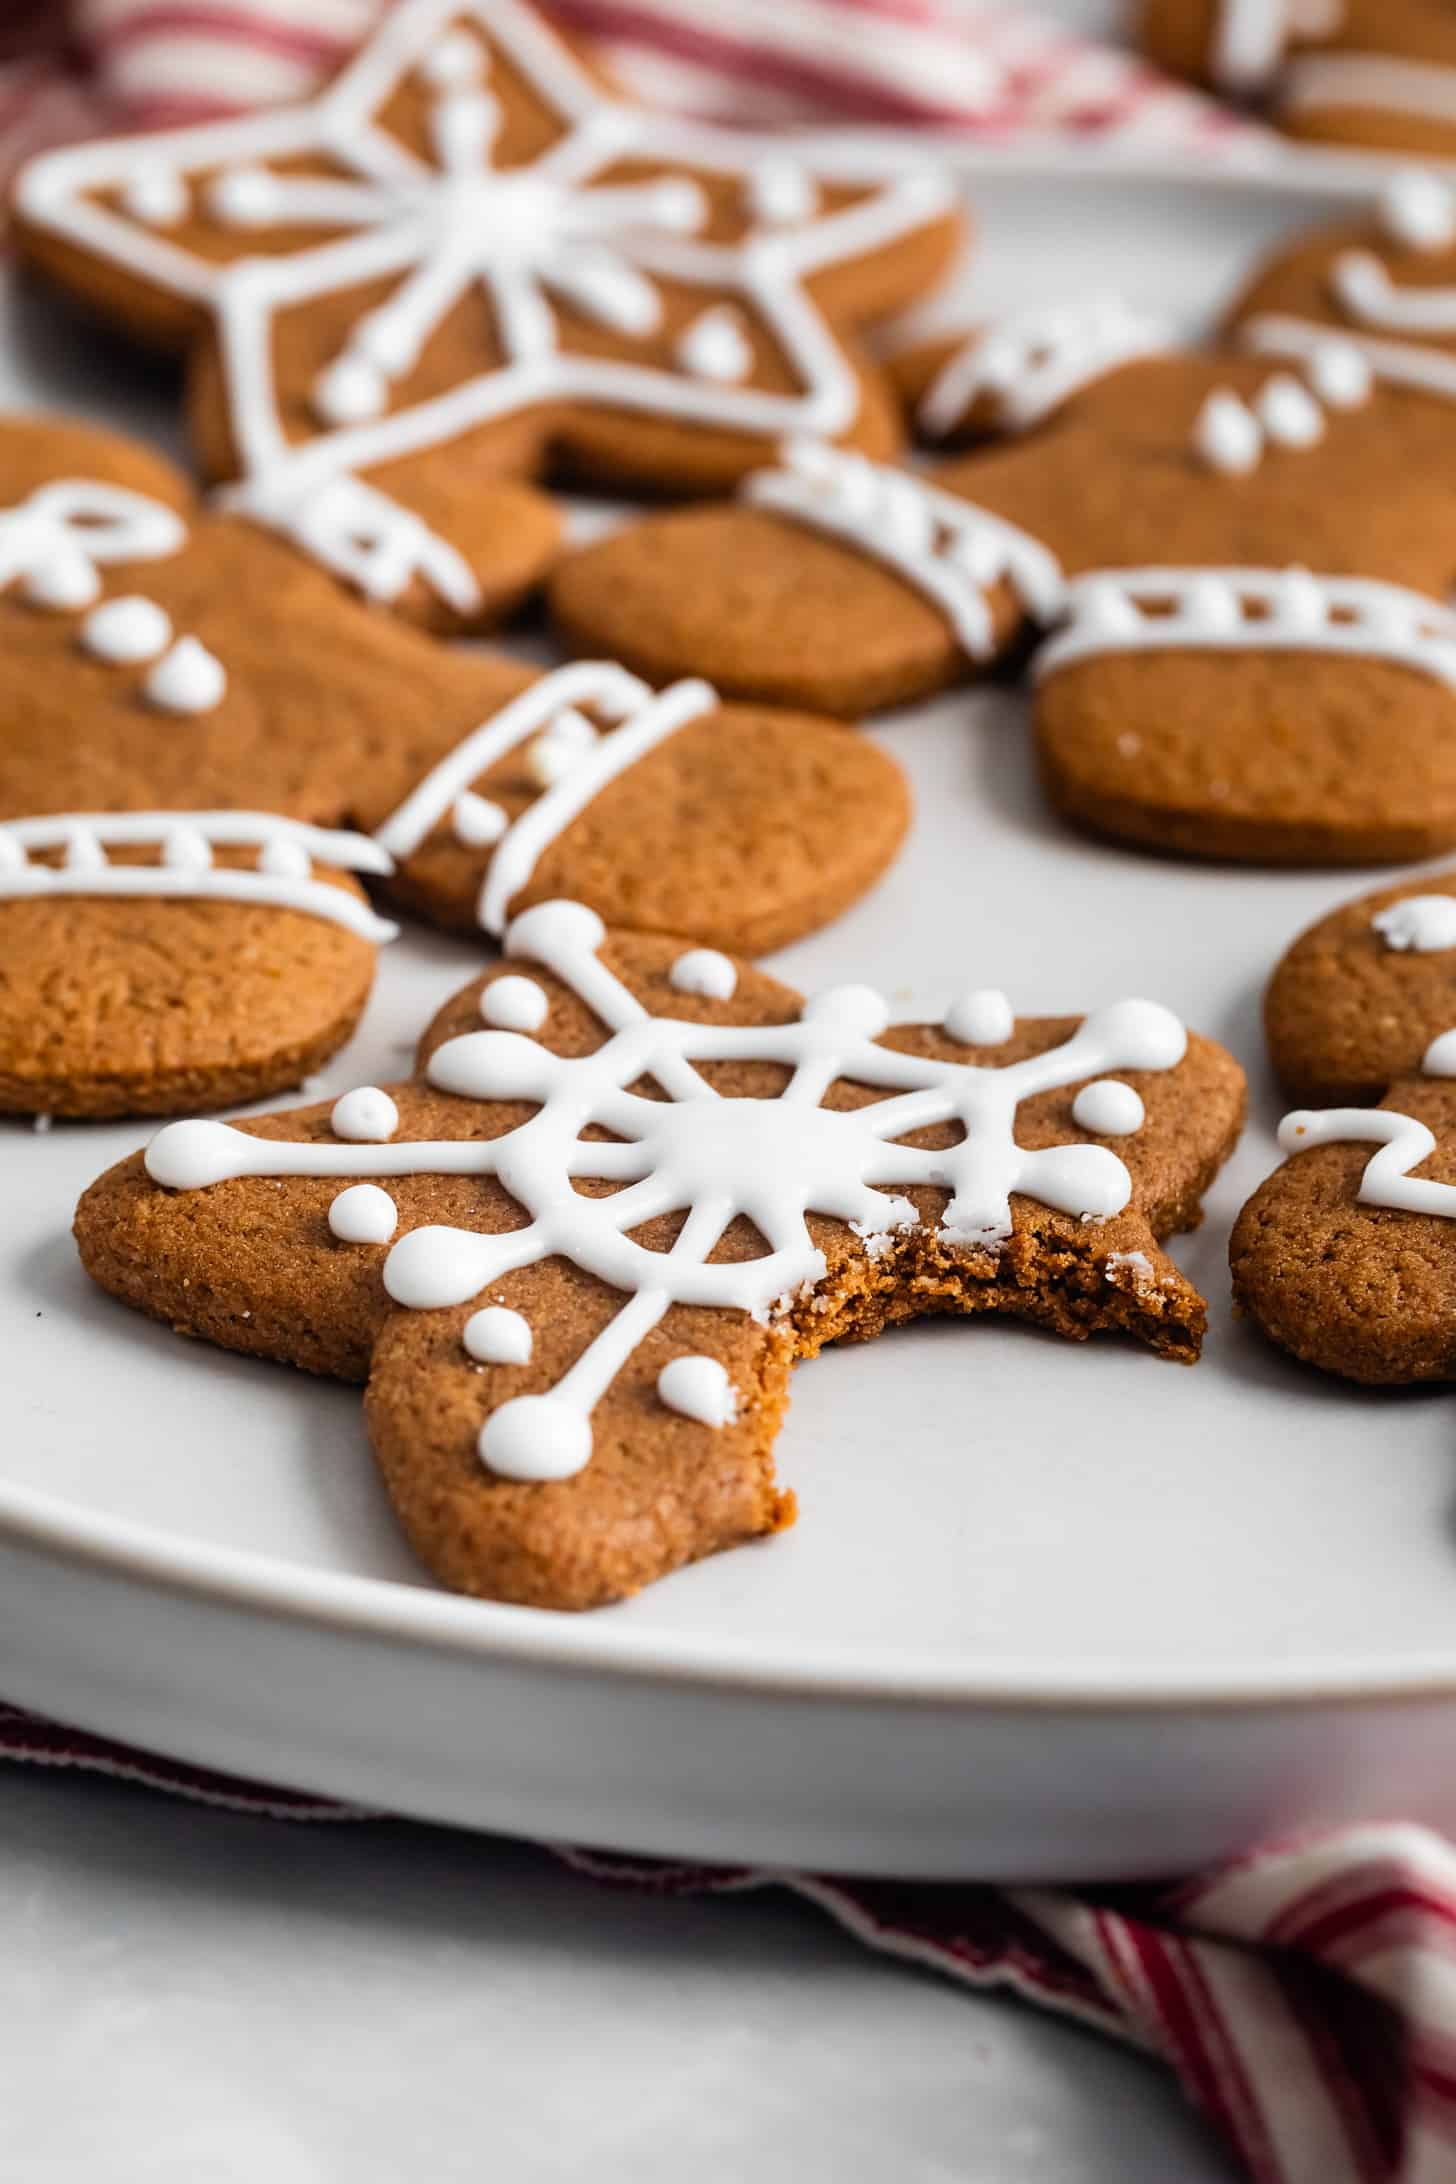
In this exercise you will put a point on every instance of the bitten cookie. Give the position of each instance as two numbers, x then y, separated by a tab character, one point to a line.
197	722
1346	1255
1216	679
634	1181
1368	72
467	261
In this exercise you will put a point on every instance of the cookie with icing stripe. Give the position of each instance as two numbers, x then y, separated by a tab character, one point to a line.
1009	375
631	1183
204	735
1362	72
1347	1255
1234	565
467	261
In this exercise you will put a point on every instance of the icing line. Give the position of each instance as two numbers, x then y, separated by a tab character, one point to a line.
1387	1181
1033	361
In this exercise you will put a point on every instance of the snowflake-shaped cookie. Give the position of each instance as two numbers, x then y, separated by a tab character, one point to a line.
466	253
634	1198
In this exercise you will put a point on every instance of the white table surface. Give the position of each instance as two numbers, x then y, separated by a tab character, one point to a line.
189	1997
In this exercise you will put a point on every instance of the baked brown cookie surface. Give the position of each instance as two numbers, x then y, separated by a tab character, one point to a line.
634	1180
468	261
197	722
1347	1255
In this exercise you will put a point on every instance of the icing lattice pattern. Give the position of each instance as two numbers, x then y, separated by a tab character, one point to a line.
282	877
1265	610
712	1157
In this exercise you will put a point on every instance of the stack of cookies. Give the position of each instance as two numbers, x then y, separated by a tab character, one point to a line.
633	1178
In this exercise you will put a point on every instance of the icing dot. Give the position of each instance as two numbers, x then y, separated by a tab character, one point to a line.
188	679
185	850
1226	435
1298	601
704	971
156	196
1288	412
456	58
363	1214
856	1012
189	1156
1213	603
536	1437
475	821
1339	374
981	1018
552	754
715	347
1423	923
497	1336
1439	1059
1105	610
699	1388
245	196
492	1065
63	579
1108	1109
282	858
514	1004
365	1116
350	391
1417	210
127	629
552	929
779	191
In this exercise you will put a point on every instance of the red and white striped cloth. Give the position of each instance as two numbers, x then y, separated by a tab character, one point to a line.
1303	1995
989	73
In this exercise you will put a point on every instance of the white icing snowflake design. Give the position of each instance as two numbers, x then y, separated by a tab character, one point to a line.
711	1156
529	237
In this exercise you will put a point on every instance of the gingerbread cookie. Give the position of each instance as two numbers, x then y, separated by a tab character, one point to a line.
196	721
466	260
577	1254
1364	72
1215	681
1346	1254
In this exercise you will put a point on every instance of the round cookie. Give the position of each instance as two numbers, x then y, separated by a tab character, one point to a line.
465	262
577	1306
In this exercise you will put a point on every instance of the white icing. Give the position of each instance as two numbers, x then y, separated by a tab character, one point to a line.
1113	610
772	1160
944	547
705	972
497	1336
1397	363
127	629
1108	1109
715	346
156	196
1404	1143
1418	209
1423	923
514	1004
982	1017
1339	374
363	1214
429	232
559	747
1030	364
55	542
698	1388
282	878
1288	413
644	721
365	1116
1377	82
1248	46
1363	287
1137	1264
358	532
1439	1059
476	822
187	679
1227	436
780	191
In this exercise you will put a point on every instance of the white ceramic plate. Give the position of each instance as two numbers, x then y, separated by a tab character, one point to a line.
1047	1609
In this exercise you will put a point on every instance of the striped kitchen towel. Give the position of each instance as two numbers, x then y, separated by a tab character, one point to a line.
1303	1995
